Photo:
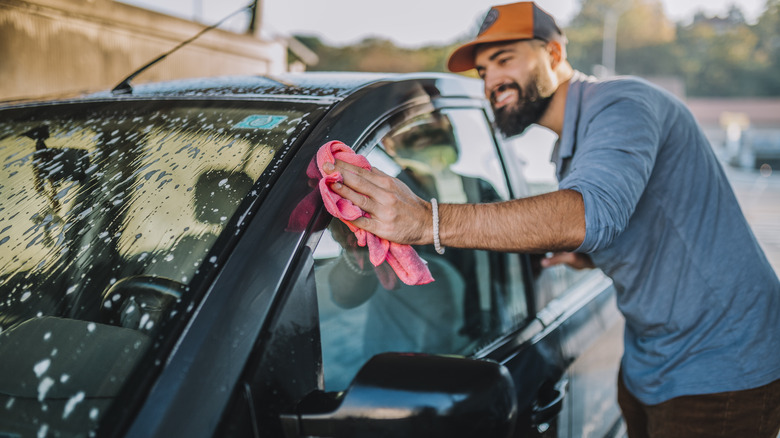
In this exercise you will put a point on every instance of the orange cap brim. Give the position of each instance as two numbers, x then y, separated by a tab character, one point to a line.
462	58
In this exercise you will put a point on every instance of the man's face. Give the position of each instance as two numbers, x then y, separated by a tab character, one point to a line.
518	83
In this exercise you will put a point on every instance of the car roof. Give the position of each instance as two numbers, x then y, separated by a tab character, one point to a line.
332	85
311	84
325	87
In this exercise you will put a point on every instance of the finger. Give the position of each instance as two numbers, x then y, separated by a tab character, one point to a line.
328	167
374	184
356	176
557	259
343	166
364	223
572	259
548	262
360	199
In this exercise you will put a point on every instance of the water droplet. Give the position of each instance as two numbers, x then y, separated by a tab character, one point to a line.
44	387
71	404
41	367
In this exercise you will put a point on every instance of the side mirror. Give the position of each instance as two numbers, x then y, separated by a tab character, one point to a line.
413	395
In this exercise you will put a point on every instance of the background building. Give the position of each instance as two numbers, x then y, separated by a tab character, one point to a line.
744	131
55	48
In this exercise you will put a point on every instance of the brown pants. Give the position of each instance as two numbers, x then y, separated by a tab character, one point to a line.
753	413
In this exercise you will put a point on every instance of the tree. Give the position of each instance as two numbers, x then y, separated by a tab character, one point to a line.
640	24
768	48
715	56
377	55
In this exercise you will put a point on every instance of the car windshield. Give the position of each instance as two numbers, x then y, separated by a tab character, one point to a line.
112	215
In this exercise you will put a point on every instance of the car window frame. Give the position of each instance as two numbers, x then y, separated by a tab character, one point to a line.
507	343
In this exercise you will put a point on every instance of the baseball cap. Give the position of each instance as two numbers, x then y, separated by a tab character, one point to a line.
515	21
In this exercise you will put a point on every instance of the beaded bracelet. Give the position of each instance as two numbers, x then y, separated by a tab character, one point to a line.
354	267
436	242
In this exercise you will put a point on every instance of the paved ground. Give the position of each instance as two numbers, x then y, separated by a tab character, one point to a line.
758	193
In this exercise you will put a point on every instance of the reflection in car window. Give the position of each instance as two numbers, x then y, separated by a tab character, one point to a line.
108	213
476	297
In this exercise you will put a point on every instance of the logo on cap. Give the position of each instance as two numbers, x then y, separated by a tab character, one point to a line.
491	18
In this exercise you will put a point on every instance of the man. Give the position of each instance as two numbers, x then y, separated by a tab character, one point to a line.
642	196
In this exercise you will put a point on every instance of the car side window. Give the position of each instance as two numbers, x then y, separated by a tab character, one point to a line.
476	297
531	173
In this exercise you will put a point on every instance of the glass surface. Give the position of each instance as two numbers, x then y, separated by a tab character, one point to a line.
477	295
531	173
108	212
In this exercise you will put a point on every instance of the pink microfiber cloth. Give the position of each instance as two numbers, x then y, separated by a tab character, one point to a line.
404	260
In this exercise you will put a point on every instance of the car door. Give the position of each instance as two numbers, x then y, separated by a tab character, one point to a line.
580	305
480	304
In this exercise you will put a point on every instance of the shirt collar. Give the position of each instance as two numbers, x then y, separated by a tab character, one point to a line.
564	147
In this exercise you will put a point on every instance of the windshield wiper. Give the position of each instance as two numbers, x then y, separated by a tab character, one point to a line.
124	87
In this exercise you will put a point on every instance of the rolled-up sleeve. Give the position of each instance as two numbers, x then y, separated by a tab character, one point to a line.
611	166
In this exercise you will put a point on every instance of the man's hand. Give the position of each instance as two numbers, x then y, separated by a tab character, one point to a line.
396	213
572	259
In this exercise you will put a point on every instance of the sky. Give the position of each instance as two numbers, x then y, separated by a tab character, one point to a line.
408	23
414	23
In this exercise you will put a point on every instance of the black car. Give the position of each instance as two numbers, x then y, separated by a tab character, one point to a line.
168	269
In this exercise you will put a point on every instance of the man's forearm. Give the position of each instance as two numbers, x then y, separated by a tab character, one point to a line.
550	222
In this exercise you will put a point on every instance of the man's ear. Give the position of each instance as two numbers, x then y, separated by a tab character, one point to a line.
555	49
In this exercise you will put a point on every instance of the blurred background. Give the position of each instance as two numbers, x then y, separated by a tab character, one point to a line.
721	57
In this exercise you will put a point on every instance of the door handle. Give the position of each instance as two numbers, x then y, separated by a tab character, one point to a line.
541	415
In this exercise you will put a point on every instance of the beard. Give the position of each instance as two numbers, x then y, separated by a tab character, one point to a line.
515	118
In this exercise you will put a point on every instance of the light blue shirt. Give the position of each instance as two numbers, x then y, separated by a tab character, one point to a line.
701	302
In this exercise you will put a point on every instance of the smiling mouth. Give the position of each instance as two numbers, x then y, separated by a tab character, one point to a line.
503	94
